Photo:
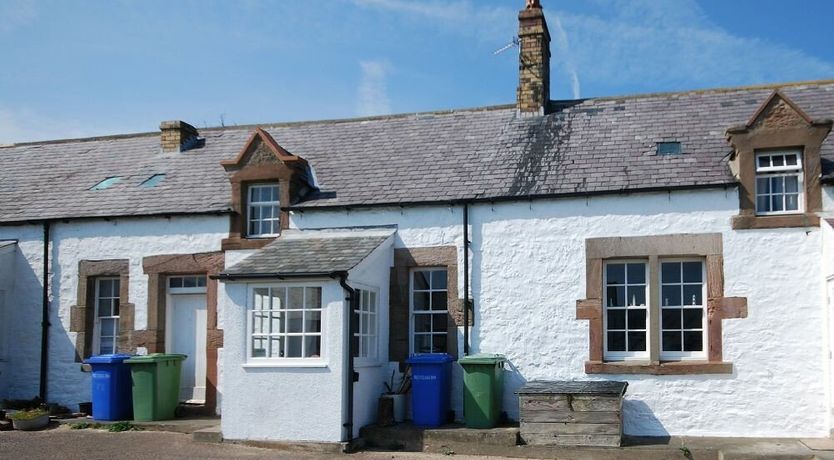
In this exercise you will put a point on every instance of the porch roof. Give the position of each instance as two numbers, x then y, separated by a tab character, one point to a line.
299	253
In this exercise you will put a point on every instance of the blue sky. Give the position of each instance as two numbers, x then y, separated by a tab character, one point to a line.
84	68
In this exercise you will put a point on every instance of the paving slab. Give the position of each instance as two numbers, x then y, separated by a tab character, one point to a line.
818	443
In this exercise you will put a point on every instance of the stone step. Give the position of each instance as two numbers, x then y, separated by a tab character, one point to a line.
209	435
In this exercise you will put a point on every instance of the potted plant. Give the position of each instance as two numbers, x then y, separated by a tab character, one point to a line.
397	392
29	420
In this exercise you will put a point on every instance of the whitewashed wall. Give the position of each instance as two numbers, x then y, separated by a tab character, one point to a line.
373	272
276	403
528	271
131	239
827	278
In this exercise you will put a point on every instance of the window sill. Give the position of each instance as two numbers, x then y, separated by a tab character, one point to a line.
286	364
746	222
237	243
662	368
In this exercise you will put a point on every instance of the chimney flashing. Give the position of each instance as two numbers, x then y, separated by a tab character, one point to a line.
177	136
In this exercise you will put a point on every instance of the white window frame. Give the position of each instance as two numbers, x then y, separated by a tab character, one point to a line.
367	324
769	172
412	312
317	361
97	323
199	284
626	355
684	355
276	217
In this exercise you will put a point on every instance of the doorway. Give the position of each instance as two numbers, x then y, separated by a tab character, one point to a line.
186	325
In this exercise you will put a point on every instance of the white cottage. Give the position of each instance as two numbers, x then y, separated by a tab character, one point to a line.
675	241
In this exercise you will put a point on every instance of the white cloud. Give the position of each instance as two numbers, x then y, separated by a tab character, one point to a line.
16	13
373	88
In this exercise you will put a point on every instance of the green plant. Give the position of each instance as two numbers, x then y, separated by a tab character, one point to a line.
28	414
84	425
122	426
685	451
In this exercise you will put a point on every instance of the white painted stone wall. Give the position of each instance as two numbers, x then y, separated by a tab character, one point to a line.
8	254
289	402
528	267
827	277
72	242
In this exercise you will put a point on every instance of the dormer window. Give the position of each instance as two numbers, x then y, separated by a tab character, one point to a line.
779	183
263	210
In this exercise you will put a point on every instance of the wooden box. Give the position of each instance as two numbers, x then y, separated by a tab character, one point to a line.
572	413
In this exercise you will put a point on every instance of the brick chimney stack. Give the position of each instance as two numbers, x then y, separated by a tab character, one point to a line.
175	134
533	92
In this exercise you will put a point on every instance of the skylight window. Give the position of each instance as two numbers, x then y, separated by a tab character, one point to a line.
107	183
152	181
669	148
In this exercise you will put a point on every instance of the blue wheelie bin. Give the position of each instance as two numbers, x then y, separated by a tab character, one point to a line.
431	377
112	389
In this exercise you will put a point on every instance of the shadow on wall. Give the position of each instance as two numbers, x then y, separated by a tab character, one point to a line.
513	381
638	419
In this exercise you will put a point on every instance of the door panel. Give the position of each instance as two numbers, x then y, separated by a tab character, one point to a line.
188	336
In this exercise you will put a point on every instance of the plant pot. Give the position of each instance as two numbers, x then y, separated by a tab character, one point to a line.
32	424
399	406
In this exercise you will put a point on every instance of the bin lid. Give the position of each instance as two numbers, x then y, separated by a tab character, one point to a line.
483	358
155	358
588	387
107	358
430	358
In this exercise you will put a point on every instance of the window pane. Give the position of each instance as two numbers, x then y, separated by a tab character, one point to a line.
791	184
295	321
295	297
312	346
776	203
438	300
293	347
372	302
692	272
777	160
312	321
764	161
201	281
636	296
276	347
439	343
115	309
692	294
637	341
637	319
422	323
670	272
108	327
276	322
616	319
615	273
422	343
670	296
439	323
175	282
421	301
261	299
672	341
762	185
615	296
278	298
104	289
692	318
259	322
616	341
104	307
636	273
313	298
259	347
670	318
692	341
763	203
790	160
189	282
791	202
438	279
776	184
106	345
421	280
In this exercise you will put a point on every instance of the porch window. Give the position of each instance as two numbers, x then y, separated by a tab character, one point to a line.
285	322
107	316
626	313
429	310
366	319
779	182
263	210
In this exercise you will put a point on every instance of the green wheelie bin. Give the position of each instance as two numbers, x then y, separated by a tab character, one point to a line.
483	386
156	385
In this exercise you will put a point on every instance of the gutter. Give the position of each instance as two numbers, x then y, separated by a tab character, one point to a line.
275	275
351	377
45	315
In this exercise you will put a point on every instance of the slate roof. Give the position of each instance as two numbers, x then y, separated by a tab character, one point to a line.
308	252
587	146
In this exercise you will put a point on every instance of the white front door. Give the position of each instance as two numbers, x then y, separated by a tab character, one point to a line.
187	335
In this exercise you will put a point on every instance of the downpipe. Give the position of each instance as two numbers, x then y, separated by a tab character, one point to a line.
45	315
350	376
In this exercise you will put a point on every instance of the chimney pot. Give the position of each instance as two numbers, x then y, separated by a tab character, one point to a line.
175	133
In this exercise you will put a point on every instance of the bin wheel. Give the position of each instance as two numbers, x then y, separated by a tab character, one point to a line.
179	412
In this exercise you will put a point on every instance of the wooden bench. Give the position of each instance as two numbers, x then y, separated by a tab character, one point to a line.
570	413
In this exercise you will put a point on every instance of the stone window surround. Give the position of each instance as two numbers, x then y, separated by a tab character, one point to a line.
708	246
158	268
82	314
749	140
406	259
